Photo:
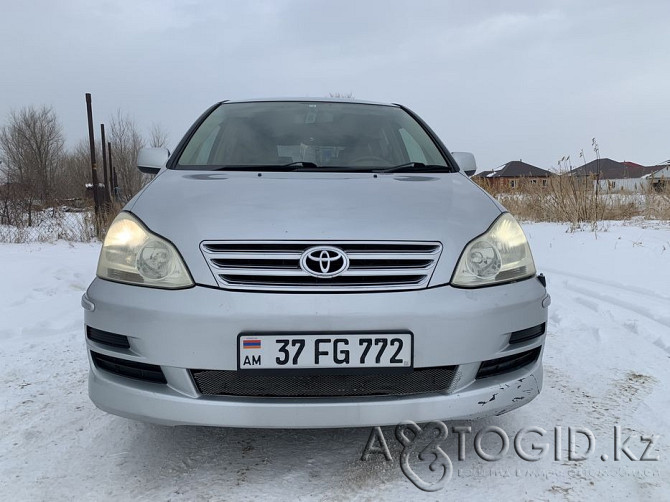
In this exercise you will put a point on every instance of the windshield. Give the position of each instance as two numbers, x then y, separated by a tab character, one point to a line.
310	136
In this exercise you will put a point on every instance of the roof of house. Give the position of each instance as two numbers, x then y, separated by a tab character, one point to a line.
482	174
631	164
609	169
517	169
660	171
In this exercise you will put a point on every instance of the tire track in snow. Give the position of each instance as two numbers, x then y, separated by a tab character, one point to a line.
612	284
638	309
659	315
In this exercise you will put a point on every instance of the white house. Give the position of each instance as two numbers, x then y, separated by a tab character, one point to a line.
613	176
660	179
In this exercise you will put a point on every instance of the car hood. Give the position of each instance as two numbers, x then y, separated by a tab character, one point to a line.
188	207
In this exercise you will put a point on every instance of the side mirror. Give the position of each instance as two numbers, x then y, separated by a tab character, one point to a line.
152	160
466	162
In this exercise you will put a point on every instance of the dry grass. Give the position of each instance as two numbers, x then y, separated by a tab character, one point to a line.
575	201
105	218
657	205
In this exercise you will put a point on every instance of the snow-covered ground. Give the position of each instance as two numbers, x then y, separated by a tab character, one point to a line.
607	363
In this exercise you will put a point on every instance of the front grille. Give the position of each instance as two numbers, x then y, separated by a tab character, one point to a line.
275	266
239	383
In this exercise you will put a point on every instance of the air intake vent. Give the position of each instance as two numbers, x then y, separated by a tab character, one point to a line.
107	338
527	334
130	369
508	363
276	265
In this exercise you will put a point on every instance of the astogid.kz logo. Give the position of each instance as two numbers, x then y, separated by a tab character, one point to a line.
427	445
436	432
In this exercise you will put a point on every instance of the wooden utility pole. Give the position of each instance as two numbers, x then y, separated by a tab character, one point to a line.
108	197
94	170
112	172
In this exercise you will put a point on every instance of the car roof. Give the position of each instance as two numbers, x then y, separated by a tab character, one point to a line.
311	100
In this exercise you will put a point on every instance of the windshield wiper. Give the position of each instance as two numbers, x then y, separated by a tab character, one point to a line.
304	165
413	166
293	166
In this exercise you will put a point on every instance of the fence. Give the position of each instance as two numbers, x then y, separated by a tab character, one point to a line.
67	222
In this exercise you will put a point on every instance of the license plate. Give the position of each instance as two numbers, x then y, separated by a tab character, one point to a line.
281	351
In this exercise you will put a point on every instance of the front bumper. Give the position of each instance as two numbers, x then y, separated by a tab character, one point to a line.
198	328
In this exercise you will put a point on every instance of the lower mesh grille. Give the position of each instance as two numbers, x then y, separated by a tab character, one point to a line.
236	383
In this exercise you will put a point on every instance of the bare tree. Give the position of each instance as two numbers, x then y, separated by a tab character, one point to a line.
126	141
158	137
343	95
76	171
31	147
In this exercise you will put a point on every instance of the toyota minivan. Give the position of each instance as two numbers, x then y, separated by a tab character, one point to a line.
313	263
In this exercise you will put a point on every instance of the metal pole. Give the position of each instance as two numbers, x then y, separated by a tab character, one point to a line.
104	162
112	172
91	139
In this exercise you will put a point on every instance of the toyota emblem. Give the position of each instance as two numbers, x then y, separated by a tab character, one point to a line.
324	261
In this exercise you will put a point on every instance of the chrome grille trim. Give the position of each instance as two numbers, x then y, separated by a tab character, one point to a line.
275	265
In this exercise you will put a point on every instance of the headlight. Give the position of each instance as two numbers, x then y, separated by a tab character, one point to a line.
500	255
133	255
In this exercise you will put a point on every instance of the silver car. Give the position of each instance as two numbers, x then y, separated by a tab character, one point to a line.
313	263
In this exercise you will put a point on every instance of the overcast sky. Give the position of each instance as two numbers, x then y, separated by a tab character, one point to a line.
506	80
